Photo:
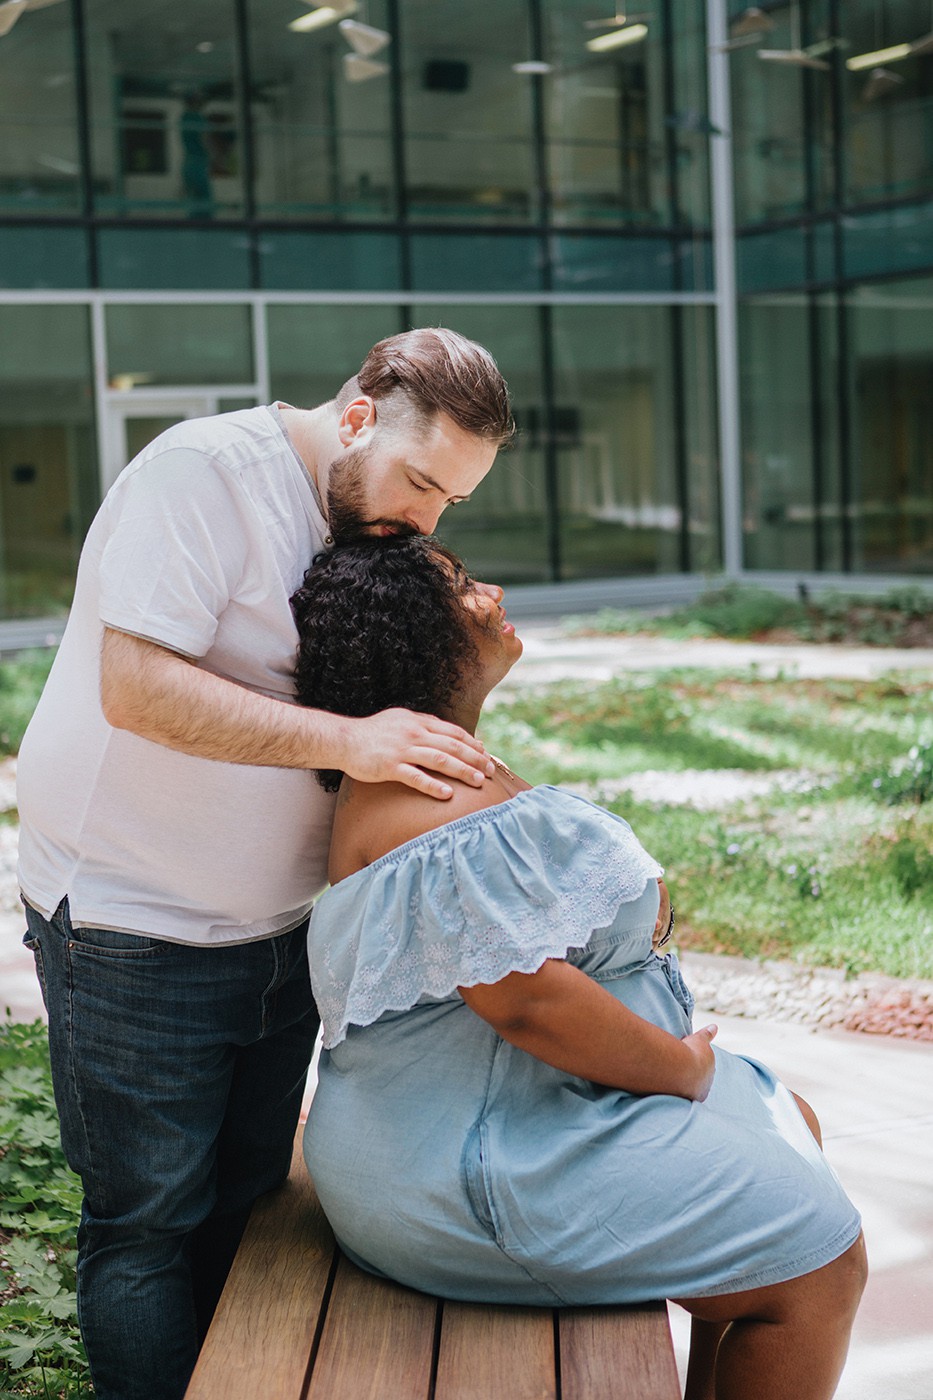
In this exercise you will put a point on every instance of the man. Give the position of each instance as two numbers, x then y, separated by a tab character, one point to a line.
173	838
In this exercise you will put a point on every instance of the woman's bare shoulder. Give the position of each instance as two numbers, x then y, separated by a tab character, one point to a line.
374	818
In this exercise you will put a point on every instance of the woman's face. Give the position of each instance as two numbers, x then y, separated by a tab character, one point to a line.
497	644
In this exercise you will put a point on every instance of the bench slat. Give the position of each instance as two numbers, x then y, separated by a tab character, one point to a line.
503	1353
261	1336
617	1354
377	1342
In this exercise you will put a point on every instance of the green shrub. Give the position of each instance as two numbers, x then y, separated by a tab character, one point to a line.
41	1354
908	779
737	610
21	683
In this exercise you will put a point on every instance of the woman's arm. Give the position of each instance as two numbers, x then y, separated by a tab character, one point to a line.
564	1018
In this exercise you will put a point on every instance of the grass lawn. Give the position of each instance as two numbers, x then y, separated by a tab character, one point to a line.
832	867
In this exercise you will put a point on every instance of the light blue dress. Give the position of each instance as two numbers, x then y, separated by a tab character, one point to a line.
449	1160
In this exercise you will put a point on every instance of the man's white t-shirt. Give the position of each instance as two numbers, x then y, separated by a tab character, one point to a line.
198	546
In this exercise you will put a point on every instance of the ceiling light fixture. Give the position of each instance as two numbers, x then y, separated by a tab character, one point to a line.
617	38
880	81
364	39
878	57
323	15
357	69
751	21
797	56
534	67
11	10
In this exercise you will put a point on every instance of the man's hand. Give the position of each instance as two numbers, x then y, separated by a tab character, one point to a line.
395	746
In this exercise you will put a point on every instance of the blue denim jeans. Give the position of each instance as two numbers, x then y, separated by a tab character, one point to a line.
178	1075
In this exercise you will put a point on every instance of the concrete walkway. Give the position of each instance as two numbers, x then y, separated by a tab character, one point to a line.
874	1096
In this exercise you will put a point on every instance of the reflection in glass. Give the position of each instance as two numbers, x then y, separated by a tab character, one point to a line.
502	531
777	442
627	128
314	350
322	144
164	100
605	115
150	344
467	114
889	103
891	330
48	471
616	407
40	170
768	129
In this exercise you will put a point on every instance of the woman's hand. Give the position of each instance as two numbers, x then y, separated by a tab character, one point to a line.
704	1062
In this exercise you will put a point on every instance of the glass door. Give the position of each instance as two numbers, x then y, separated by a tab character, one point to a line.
134	420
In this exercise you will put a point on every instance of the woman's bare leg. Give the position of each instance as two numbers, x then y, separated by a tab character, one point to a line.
706	1336
701	1364
787	1341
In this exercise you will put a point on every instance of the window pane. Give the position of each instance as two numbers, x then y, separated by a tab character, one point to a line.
172	259
688	60
468	116
502	531
777	445
891	339
773	259
605	113
314	350
889	105
294	261
164	101
615	408
49	256
701	437
178	344
321	136
48	468
475	262
39	157
768	122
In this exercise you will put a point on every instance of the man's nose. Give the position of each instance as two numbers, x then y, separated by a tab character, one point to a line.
423	521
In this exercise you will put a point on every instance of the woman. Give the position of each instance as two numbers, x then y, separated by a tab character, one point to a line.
512	1106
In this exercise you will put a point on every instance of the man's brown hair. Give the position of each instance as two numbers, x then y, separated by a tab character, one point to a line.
437	371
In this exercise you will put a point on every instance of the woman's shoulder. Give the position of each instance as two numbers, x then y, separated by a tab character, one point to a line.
373	819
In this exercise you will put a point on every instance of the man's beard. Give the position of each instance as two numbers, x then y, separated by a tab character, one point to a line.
347	504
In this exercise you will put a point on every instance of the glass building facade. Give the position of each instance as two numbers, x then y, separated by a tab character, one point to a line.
207	205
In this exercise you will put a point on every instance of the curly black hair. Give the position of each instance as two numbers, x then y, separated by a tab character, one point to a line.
380	625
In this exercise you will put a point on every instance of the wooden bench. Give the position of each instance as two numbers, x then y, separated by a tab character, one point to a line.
297	1321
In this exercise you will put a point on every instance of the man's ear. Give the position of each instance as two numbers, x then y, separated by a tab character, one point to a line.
357	421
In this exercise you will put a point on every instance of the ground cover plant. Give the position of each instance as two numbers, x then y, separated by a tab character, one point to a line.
903	617
21	682
823	852
41	1355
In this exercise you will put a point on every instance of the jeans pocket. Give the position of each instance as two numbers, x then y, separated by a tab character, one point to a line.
31	942
112	943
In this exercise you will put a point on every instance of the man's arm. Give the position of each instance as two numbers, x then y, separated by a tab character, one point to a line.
161	696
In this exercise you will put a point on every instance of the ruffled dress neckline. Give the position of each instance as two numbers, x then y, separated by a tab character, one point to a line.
493	892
